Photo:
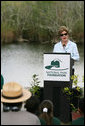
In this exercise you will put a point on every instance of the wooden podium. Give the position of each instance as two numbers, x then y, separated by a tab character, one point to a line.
57	75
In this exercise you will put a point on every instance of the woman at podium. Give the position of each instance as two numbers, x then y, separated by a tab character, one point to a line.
65	45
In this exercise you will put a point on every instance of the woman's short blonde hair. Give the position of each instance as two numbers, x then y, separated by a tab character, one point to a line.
63	28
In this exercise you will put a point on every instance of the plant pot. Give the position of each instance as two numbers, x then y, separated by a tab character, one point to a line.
75	115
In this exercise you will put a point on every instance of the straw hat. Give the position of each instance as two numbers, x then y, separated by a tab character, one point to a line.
13	92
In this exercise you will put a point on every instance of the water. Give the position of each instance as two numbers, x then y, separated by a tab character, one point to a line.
20	61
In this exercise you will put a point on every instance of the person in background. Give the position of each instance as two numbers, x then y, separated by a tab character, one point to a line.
80	120
2	81
13	95
32	105
46	113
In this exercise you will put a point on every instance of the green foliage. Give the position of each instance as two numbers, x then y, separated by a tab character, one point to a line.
83	78
75	79
73	107
35	85
69	92
40	20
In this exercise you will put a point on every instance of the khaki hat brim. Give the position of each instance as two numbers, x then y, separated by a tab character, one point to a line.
26	95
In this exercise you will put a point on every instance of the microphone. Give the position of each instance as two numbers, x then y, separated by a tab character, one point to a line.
64	47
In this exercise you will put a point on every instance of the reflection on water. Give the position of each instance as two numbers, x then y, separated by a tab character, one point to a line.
20	61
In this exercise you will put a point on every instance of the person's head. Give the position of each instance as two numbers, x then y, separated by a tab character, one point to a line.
12	106
63	33
13	95
46	111
32	104
81	106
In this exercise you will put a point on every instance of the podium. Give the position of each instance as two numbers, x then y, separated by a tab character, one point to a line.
57	75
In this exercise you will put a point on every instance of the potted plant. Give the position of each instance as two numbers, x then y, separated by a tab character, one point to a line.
74	95
35	87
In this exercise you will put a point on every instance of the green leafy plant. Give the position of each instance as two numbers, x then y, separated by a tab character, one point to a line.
35	85
75	79
73	107
83	78
69	92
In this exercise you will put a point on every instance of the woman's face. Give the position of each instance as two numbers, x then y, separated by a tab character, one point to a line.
64	36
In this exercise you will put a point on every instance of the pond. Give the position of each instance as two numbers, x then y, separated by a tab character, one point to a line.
20	61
